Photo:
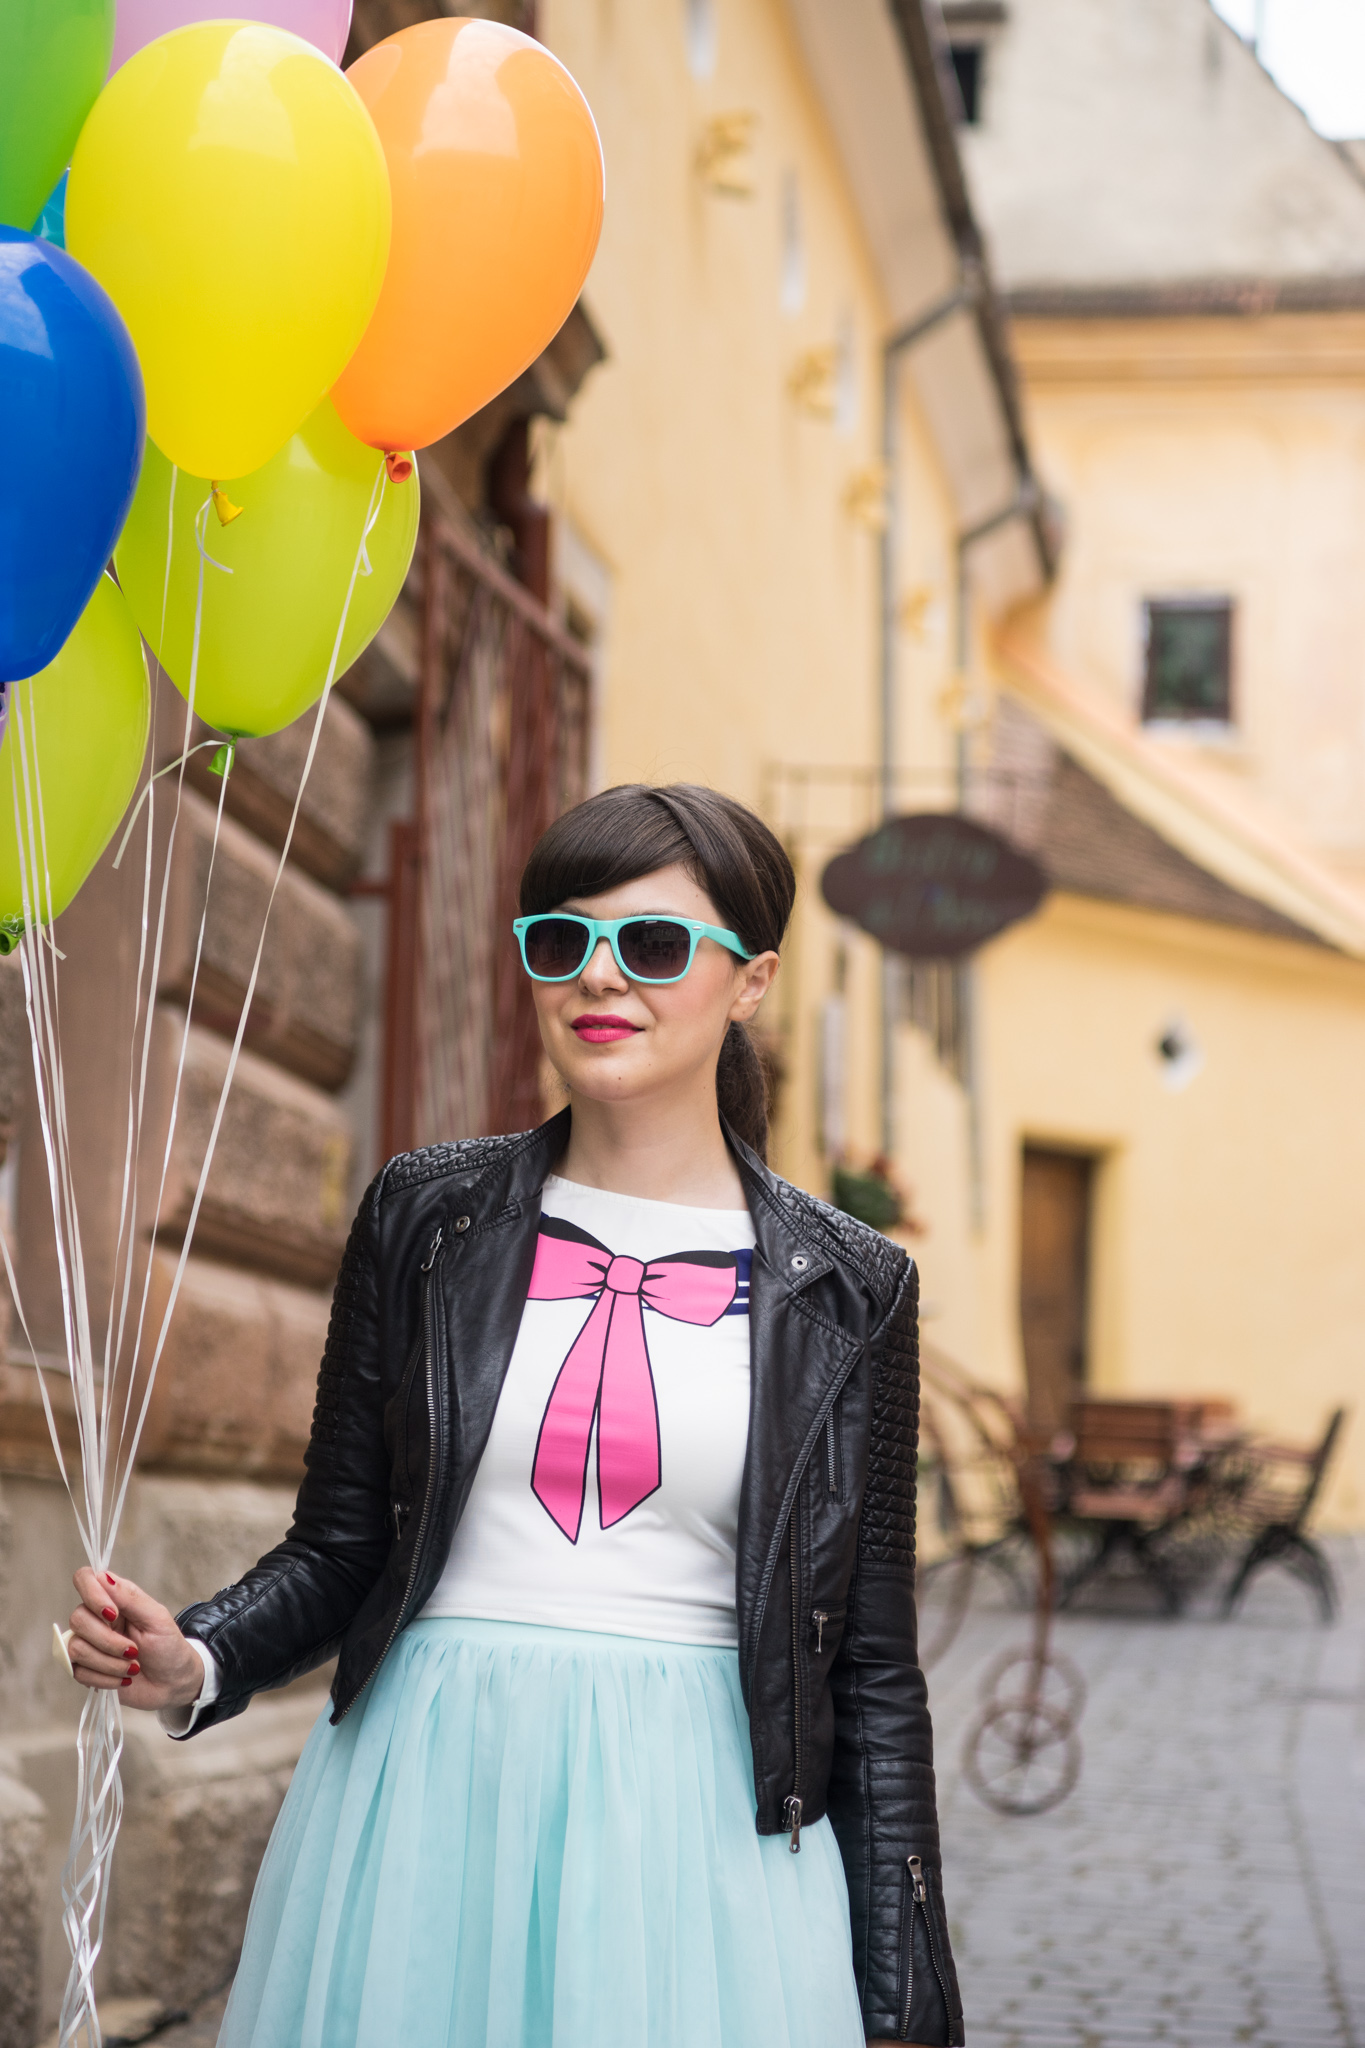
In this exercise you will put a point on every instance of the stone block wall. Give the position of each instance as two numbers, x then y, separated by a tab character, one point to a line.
230	1411
197	1814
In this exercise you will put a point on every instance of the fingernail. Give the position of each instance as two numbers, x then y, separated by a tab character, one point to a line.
133	1670
110	1577
125	1681
111	1614
130	1651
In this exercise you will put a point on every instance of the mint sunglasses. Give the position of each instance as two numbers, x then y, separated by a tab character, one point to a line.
558	945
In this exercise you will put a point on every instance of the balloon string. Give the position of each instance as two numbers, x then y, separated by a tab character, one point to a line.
172	1121
149	1015
146	791
99	1742
372	515
371	519
40	1006
170	542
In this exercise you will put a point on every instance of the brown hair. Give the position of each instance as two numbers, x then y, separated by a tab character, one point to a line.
634	830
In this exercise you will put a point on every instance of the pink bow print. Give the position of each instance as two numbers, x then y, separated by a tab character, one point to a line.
607	1372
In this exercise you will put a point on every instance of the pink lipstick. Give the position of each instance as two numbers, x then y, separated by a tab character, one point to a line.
603	1030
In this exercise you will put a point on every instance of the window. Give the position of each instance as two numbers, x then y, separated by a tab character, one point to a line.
967	64
1189	659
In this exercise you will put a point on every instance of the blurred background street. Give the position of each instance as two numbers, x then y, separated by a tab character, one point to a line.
1204	1885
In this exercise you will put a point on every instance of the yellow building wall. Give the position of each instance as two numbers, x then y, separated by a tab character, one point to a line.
742	636
1226	1252
1213	457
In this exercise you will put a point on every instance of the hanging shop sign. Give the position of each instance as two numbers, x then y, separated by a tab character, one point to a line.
933	886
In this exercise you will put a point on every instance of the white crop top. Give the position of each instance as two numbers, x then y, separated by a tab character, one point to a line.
608	1495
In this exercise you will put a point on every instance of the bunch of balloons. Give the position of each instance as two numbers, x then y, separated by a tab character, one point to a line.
260	286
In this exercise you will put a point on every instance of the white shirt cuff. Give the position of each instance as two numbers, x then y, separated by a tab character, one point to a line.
181	1721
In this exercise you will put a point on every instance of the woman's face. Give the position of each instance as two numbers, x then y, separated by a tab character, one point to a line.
612	1039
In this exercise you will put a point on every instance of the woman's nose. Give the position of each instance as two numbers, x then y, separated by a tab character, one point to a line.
601	971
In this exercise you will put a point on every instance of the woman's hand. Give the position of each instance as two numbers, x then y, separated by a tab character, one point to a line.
122	1639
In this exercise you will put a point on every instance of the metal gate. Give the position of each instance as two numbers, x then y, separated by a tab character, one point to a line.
500	748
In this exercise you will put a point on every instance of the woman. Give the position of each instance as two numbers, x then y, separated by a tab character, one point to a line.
609	1520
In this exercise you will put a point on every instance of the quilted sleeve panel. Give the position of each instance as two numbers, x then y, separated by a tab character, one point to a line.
887	1533
882	1799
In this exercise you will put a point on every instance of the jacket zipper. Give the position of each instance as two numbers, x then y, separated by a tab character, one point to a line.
917	1894
833	1451
791	1810
428	1267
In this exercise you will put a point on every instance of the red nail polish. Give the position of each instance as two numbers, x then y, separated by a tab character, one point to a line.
111	1614
125	1681
110	1577
130	1651
133	1670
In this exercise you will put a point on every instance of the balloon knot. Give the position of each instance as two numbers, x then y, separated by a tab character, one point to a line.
398	465
221	764
224	507
11	931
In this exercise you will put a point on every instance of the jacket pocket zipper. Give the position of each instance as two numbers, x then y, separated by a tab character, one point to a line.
428	1268
791	1810
916	1893
834	1452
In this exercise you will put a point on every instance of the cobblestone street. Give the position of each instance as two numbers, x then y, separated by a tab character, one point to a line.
1204	1884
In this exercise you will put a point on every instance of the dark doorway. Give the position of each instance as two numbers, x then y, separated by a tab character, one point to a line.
1054	1277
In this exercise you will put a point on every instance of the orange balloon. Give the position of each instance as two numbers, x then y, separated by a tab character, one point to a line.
496	171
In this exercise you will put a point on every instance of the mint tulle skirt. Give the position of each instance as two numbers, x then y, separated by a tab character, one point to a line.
539	1838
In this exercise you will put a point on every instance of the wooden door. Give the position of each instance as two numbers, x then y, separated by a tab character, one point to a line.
1054	1259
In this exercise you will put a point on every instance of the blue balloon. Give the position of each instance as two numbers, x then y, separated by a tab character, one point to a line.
72	426
50	225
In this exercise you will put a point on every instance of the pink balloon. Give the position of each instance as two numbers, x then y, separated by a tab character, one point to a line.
325	23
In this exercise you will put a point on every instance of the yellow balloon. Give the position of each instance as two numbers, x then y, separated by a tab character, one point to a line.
230	193
277	578
83	724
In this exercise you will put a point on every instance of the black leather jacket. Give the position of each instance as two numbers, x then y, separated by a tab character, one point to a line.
424	1318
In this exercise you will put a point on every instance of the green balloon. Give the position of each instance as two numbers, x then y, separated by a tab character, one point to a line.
267	629
85	719
54	55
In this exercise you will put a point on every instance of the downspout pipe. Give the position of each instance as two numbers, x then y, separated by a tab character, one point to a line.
963	298
1027	503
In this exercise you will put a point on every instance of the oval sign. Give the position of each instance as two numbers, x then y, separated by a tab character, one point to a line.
933	886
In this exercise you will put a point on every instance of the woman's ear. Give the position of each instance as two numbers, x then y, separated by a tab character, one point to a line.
756	978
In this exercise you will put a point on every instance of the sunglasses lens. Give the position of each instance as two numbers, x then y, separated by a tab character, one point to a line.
654	948
555	947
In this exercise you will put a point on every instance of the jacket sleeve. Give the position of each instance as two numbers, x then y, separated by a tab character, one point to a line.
289	1613
881	1798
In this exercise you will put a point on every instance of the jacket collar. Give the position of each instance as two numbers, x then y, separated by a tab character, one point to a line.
792	1236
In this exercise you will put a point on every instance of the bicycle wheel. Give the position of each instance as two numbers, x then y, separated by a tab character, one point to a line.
1021	1757
1009	1681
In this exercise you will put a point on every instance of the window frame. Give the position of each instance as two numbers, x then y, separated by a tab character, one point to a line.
1157	714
